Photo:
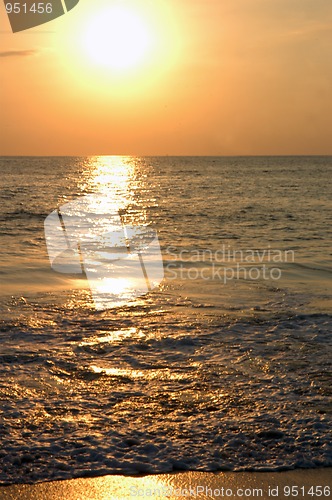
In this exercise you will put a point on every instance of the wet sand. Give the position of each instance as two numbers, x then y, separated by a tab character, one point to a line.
307	483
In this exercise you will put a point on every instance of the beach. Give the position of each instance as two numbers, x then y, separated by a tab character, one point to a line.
306	484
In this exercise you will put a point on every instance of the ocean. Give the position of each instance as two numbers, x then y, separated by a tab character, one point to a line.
224	365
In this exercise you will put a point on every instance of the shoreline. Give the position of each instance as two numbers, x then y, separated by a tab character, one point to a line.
308	483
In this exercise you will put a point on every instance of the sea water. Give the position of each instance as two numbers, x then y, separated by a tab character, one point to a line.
226	365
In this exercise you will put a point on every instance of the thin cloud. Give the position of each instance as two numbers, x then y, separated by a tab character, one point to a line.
17	53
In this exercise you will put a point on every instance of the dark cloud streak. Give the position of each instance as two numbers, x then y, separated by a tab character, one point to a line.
17	53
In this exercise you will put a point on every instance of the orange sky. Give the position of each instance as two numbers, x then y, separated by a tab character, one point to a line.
220	77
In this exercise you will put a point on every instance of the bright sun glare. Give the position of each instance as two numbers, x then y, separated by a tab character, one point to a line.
117	37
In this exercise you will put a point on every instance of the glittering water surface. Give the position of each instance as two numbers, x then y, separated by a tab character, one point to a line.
209	371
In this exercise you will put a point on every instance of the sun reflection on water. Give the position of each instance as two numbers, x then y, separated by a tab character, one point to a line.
114	336
160	374
112	172
105	222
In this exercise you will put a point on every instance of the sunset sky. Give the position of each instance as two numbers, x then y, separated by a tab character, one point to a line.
195	77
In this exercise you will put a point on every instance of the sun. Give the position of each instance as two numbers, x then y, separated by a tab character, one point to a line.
117	37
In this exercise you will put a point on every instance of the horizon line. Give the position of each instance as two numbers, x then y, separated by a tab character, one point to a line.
168	155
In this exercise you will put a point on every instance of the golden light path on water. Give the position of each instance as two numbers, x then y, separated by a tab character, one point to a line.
115	336
112	176
110	199
112	183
